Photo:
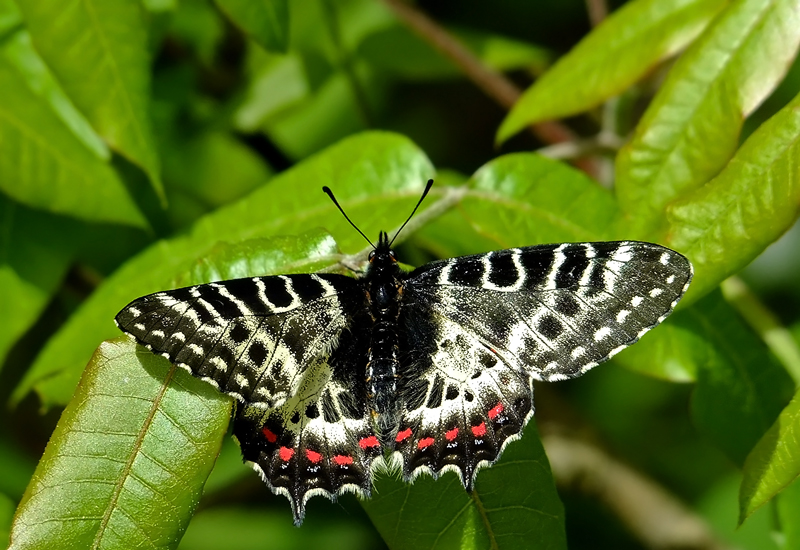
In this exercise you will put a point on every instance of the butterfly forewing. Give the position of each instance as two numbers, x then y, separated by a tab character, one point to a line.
493	322
252	338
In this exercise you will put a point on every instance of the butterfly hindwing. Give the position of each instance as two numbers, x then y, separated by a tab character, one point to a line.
493	322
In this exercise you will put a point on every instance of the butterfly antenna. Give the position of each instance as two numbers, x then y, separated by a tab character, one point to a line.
422	198
328	192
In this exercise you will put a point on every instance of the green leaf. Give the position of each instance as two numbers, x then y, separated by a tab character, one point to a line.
265	21
740	388
375	176
672	352
725	224
19	51
524	199
98	51
126	464
35	251
514	505
692	126
611	58
44	166
774	462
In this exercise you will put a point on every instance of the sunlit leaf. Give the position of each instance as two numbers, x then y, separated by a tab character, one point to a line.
774	462
611	58
126	464
692	127
98	51
725	224
44	166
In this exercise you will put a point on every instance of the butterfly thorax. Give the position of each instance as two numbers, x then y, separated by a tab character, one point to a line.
384	290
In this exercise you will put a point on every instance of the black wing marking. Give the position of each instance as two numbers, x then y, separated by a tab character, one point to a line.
251	338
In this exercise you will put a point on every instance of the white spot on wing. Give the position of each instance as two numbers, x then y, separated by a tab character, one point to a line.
622	315
601	333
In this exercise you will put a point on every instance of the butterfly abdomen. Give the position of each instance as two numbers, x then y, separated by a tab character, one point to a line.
383	364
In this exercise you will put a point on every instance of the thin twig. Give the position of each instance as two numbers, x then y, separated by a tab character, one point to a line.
598	10
658	519
494	84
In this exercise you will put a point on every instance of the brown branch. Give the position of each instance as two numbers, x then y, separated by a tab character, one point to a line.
598	10
658	519
492	83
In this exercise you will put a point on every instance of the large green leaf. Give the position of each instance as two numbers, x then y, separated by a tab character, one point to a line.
725	224
98	51
611	58
126	464
43	165
375	176
740	388
774	462
265	21
19	51
514	505
692	127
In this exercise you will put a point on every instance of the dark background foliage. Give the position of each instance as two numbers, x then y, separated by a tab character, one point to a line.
148	144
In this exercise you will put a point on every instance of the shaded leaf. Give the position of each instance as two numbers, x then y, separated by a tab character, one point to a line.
265	21
611	58
692	126
514	505
126	464
774	462
375	176
45	166
725	224
35	252
98	51
740	388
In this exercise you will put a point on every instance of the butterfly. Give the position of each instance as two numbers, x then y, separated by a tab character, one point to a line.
431	369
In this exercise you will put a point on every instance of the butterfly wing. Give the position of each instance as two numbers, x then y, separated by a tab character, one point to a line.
480	328
278	345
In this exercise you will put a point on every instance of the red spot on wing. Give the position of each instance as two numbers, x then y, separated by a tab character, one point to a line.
425	442
343	460
368	442
479	430
495	411
271	437
286	453
403	435
450	435
313	456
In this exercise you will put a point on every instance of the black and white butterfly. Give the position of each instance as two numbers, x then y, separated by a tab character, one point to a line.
337	375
